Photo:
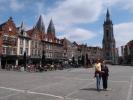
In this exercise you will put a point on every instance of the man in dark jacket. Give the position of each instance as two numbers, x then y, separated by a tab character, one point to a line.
105	74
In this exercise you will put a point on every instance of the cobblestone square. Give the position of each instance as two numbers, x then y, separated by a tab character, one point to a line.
68	84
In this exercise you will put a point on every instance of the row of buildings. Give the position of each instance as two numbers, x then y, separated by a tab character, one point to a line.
127	53
36	42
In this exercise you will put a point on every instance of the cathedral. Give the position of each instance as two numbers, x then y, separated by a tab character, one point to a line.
110	53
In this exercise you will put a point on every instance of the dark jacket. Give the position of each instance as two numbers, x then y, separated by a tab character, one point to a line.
105	71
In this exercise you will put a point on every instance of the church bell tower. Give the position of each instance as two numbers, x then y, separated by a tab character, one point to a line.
108	43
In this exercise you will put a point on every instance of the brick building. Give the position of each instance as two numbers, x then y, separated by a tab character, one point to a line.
70	50
37	42
94	53
8	43
128	53
53	45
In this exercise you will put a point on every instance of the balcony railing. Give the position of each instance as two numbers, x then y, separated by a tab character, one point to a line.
9	42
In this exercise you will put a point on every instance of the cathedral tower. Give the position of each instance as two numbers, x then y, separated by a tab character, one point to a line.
40	25
51	28
108	43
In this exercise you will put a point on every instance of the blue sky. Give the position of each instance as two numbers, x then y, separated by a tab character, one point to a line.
77	20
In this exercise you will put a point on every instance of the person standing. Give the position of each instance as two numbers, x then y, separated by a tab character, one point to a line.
98	74
105	74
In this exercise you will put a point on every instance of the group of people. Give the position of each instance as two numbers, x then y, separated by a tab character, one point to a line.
101	72
34	67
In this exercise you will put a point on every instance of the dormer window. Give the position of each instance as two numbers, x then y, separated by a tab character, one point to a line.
10	29
46	39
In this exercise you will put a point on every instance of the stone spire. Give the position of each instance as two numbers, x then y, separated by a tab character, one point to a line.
40	24
107	20
22	29
107	14
51	28
22	26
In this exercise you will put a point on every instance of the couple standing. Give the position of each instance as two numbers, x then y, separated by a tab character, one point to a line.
101	71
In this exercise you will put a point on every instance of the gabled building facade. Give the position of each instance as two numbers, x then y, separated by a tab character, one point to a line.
23	44
54	47
8	43
94	53
128	53
70	50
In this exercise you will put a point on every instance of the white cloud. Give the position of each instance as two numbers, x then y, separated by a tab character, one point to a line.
122	4
108	3
40	7
69	13
78	34
15	5
76	11
123	33
128	5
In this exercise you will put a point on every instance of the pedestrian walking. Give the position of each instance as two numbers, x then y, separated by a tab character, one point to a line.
98	74
105	74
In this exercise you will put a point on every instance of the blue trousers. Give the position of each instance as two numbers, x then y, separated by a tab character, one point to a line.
98	79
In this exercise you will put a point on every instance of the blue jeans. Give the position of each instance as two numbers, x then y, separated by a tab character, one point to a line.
98	78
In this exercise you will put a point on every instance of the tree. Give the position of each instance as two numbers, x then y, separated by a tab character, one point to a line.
24	60
83	60
87	59
73	60
79	60
43	59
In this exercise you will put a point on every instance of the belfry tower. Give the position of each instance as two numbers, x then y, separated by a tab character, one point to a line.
108	43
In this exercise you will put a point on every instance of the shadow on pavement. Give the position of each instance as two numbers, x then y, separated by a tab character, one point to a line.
92	89
89	89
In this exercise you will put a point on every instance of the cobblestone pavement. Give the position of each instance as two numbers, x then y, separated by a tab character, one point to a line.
68	84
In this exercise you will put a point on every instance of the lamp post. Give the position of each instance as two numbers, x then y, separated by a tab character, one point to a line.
43	58
24	60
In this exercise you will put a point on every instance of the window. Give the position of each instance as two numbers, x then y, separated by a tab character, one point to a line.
4	50
5	37
21	50
35	44
21	41
26	51
35	52
32	52
107	53
10	29
107	34
14	51
35	35
46	39
26	42
46	46
32	44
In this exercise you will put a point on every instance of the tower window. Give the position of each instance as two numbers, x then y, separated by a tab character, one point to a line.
107	33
